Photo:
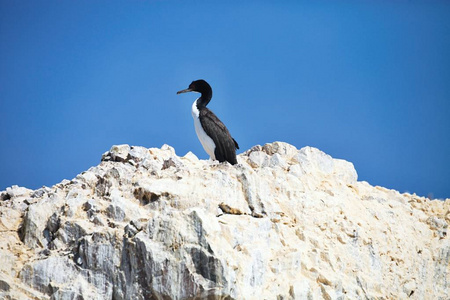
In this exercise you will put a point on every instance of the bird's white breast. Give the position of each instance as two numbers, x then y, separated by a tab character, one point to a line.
207	142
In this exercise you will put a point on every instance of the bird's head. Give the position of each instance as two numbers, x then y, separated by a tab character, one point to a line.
199	86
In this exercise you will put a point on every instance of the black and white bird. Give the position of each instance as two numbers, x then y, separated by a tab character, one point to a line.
212	133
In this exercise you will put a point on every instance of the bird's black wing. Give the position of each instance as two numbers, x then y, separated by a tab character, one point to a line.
214	128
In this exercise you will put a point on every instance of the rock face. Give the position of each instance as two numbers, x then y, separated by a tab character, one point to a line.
282	224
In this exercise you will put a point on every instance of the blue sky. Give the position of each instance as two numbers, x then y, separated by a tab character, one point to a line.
365	81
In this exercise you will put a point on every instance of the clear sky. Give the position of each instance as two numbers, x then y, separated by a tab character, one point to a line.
365	81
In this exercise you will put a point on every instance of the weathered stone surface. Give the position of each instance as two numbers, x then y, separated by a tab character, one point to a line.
282	224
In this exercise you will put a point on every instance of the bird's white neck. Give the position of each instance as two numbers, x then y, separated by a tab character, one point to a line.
195	112
205	140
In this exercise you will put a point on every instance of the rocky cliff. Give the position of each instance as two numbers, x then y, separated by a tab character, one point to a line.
282	224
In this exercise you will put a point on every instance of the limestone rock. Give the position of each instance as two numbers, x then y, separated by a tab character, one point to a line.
282	224
118	153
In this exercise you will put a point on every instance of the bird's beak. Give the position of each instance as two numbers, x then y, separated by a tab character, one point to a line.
184	91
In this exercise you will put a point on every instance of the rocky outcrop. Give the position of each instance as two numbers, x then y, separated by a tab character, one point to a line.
282	224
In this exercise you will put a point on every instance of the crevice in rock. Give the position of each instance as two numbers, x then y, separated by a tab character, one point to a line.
171	162
132	229
201	233
358	281
145	196
22	227
4	286
102	187
78	255
53	223
208	266
5	196
249	199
